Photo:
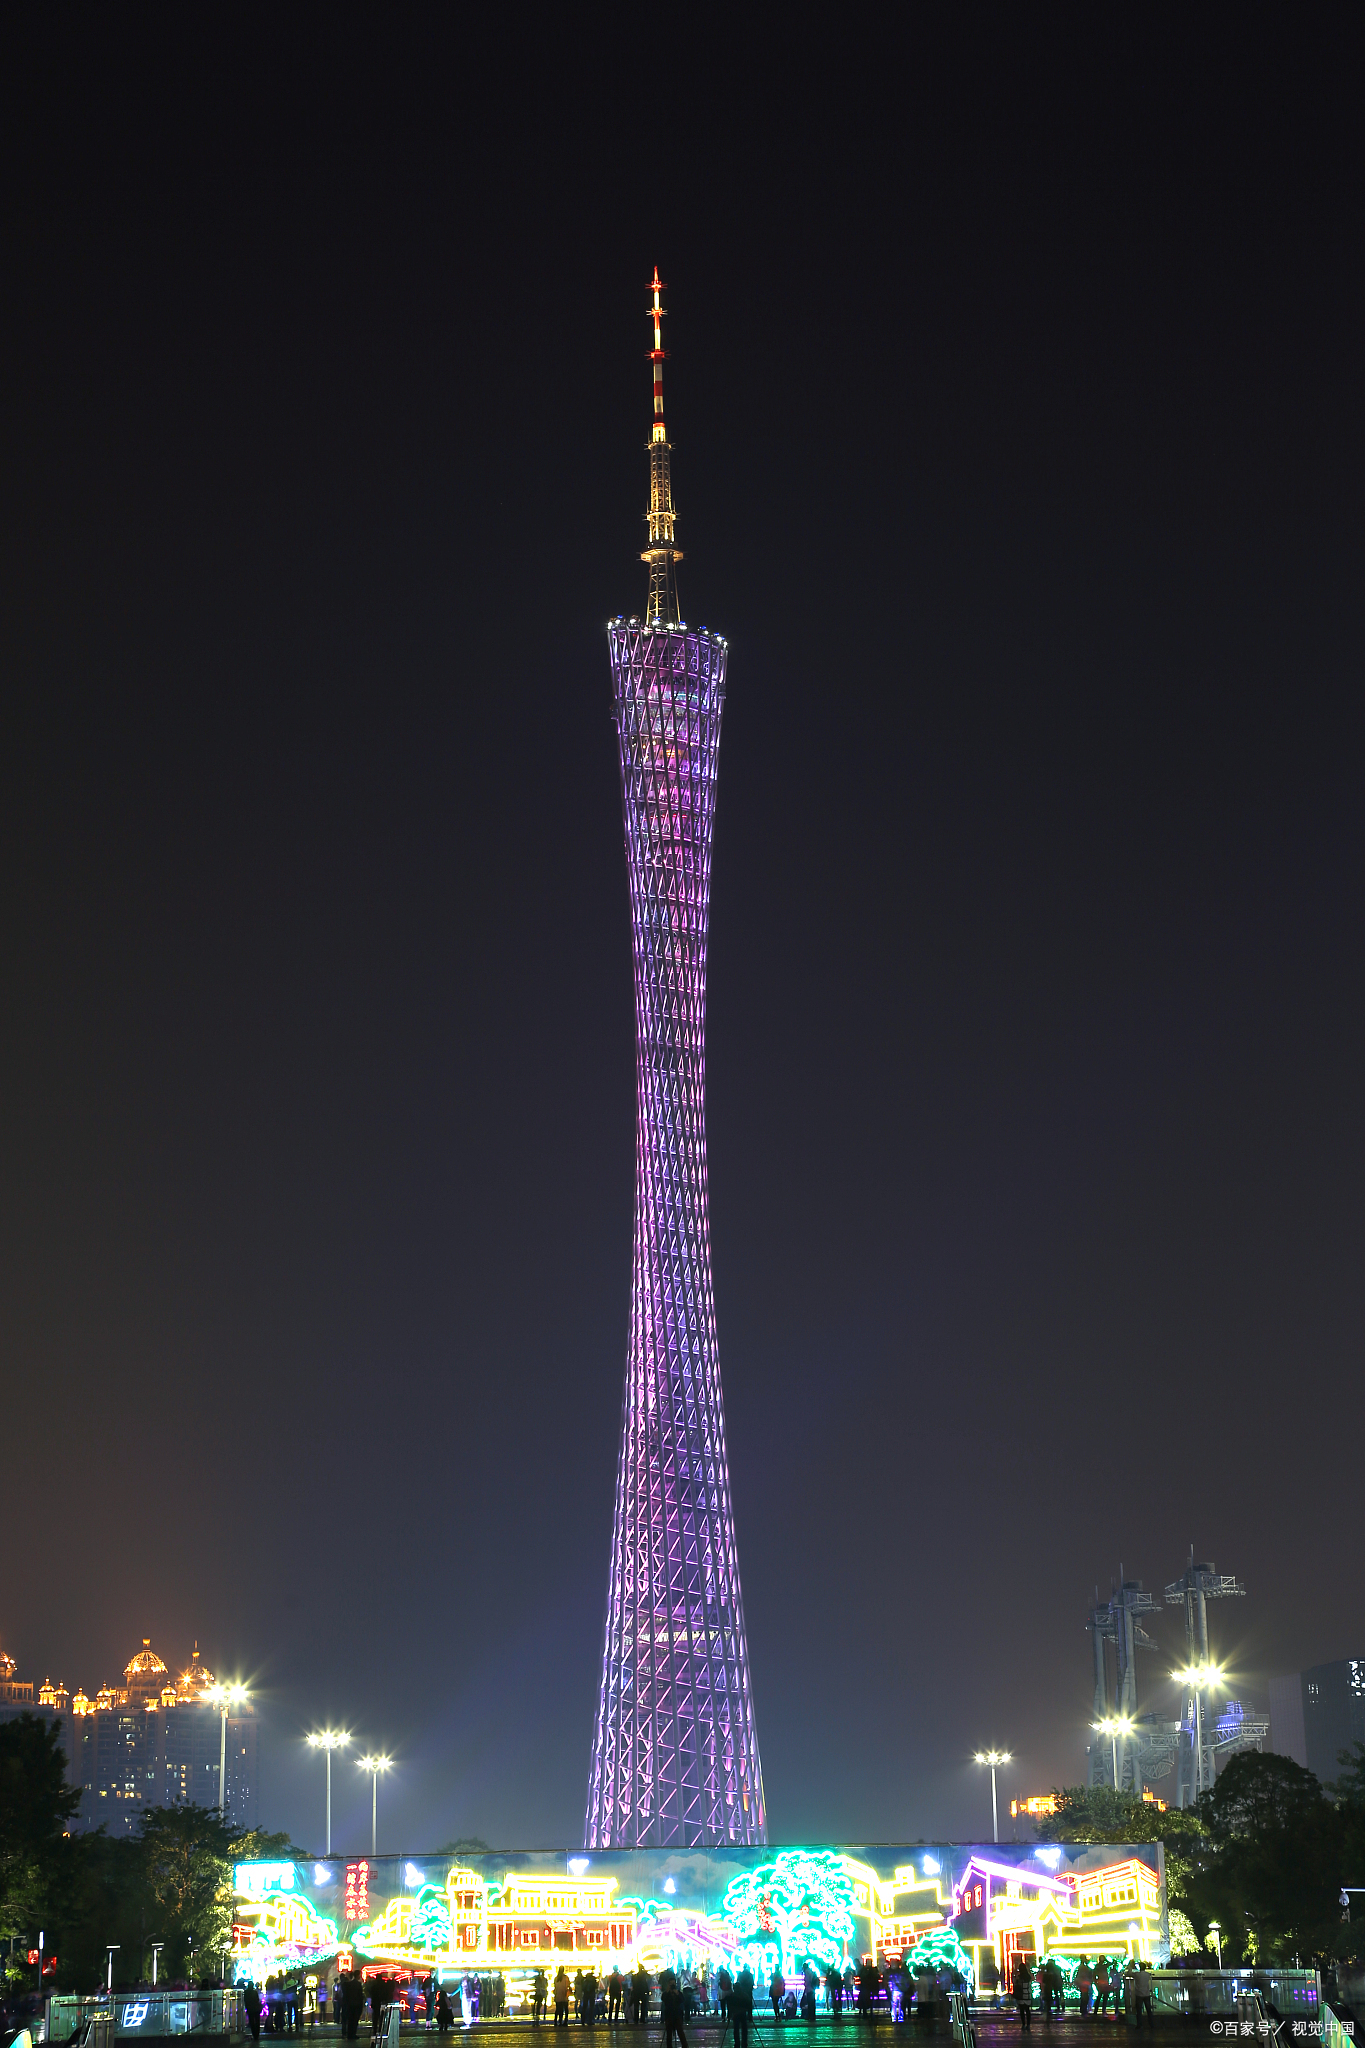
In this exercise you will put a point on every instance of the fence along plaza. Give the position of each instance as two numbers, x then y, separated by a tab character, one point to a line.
772	1909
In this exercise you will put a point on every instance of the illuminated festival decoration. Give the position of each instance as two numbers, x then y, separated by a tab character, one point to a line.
275	1923
358	1890
674	1756
726	1907
794	1910
1116	1908
942	1950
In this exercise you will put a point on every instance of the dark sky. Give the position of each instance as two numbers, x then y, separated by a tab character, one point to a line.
1016	404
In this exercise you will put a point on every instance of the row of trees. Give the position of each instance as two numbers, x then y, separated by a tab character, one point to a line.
171	1883
1265	1853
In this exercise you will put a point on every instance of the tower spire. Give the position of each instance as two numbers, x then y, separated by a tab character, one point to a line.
661	555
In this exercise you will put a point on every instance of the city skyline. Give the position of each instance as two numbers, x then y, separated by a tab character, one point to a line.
1018	451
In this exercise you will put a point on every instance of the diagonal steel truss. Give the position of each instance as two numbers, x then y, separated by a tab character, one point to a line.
674	1755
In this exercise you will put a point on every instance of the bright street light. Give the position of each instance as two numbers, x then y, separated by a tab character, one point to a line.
156	1948
1114	1725
330	1739
1199	1679
993	1757
374	1765
1216	1931
224	1696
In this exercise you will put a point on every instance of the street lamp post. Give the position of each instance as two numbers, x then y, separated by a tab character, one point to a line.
1216	1931
113	1948
156	1947
374	1765
224	1696
993	1757
1199	1679
1114	1725
329	1740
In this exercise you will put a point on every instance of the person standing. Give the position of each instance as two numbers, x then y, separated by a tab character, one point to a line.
834	1991
1023	1992
1103	1984
1142	1986
1085	1985
742	2006
539	1992
671	2010
252	2002
615	1986
590	1998
777	1991
561	1997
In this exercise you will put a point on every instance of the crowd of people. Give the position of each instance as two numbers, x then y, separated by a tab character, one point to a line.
1103	1989
901	1990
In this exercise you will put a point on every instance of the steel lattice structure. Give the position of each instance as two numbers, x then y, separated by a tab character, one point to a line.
674	1756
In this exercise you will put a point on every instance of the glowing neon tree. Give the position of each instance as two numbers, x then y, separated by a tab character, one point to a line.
674	1754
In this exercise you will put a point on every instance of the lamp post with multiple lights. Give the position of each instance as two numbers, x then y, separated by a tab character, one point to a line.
1114	1725
374	1765
1199	1679
328	1740
223	1697
993	1757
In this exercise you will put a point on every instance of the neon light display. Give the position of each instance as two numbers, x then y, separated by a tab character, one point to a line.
795	1910
1117	1908
674	1754
358	1891
703	1909
943	1951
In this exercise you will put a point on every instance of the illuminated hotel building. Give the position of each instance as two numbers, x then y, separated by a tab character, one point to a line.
154	1740
674	1753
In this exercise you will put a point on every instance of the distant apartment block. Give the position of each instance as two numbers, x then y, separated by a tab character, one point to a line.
1315	1715
154	1740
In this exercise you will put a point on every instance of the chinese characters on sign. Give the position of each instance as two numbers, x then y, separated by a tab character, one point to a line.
358	1890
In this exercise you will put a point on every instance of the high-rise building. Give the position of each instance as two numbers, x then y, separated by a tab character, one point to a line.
154	1740
674	1755
1316	1714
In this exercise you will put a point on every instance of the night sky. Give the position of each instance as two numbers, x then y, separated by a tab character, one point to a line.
1016	407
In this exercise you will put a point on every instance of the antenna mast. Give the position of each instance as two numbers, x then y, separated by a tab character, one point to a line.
661	555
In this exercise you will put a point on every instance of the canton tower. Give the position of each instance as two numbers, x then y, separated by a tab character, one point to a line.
674	1753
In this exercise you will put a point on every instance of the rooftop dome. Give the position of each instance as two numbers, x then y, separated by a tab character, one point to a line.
145	1664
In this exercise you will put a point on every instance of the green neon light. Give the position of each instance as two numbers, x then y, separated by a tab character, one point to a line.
941	1950
796	1909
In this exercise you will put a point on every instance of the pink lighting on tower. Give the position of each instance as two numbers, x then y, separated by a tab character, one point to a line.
674	1757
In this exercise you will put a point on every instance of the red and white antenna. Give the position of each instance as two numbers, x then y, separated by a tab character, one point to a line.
657	353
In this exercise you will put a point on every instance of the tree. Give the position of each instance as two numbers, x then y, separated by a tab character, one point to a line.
187	1853
942	1949
36	1804
800	1905
430	1927
1271	1876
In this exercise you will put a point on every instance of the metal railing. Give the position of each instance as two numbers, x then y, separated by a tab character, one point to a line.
96	2022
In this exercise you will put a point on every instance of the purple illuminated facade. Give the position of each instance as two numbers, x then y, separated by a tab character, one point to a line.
674	1756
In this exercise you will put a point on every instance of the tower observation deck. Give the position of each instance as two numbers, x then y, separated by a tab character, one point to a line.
674	1754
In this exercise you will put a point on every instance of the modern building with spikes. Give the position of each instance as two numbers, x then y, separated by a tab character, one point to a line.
674	1754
